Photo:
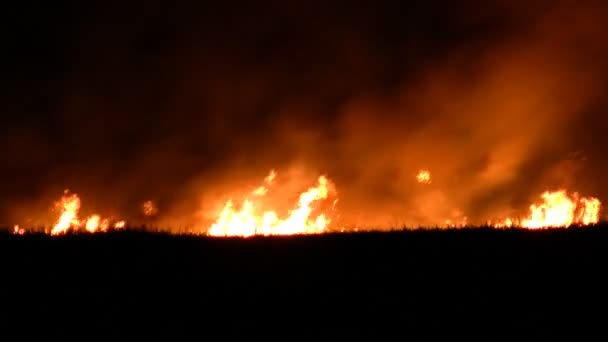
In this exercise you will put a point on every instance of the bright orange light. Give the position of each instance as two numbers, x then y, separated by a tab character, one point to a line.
92	223
69	205
18	230
248	220
424	177
590	213
558	209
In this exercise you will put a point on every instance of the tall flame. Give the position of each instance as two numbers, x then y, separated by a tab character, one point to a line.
246	221
69	205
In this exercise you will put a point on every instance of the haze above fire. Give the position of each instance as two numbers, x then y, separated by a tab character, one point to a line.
190	105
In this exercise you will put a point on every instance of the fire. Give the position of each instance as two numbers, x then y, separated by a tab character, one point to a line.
424	177
311	215
248	221
69	205
590	213
149	209
263	190
507	223
18	230
95	224
558	209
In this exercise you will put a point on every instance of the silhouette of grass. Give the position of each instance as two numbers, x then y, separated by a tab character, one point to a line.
421	284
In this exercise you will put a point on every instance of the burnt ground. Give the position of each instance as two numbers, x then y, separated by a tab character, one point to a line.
417	285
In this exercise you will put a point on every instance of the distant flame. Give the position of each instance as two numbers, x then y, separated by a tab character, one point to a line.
95	224
558	209
424	177
149	209
69	205
18	230
247	222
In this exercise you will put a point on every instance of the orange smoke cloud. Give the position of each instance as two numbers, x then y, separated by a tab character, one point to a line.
490	116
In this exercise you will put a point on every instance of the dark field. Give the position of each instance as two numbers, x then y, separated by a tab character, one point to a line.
419	285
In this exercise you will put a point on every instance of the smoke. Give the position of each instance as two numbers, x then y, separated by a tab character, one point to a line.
492	125
188	105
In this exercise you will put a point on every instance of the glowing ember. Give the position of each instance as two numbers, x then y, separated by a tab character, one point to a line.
247	220
149	209
558	209
120	225
424	177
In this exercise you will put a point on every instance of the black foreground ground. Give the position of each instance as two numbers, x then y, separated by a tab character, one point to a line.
419	285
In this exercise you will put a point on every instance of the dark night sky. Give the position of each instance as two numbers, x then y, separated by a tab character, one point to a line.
124	101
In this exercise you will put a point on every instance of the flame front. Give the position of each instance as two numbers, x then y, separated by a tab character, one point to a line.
246	221
558	209
308	215
69	205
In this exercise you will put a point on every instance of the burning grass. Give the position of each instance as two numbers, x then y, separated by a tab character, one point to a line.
257	213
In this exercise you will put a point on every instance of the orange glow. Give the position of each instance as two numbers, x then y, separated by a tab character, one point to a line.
312	211
92	223
507	223
18	230
424	177
590	213
558	209
149	209
248	220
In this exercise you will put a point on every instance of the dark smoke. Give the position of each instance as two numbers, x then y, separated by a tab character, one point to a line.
184	102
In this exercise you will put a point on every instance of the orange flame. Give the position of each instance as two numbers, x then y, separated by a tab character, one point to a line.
18	230
69	205
558	209
149	209
95	224
246	222
424	177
